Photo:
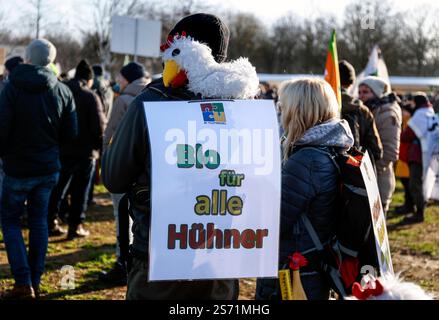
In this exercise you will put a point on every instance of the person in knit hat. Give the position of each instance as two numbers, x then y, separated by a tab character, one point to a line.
214	33
103	88
37	115
10	65
359	117
377	86
78	159
133	71
126	168
40	52
98	70
84	71
374	92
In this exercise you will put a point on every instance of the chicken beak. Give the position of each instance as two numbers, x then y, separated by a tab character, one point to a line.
170	72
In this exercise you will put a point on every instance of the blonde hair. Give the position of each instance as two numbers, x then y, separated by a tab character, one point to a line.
304	104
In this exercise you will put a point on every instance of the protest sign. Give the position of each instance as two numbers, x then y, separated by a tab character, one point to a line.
377	214
215	189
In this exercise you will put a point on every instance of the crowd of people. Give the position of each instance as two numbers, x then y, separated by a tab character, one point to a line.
55	137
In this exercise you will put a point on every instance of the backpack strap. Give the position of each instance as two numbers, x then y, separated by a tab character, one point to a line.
169	94
332	155
312	233
354	189
360	191
331	271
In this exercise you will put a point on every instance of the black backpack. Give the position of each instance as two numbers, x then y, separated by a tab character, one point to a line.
353	245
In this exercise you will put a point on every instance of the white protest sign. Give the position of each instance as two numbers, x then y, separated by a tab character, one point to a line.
435	192
377	214
215	189
135	36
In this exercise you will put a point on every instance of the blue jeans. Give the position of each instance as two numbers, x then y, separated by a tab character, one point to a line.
27	269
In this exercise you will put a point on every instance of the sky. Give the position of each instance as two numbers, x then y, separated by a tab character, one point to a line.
269	10
69	12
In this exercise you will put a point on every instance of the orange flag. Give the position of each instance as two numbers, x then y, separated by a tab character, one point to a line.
332	75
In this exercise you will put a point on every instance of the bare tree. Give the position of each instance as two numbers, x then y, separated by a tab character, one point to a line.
68	49
4	35
102	14
370	23
419	41
38	8
409	44
38	12
314	40
286	44
249	38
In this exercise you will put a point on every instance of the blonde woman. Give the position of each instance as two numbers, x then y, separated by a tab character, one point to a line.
313	132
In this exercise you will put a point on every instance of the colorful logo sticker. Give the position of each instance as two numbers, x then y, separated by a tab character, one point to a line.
213	113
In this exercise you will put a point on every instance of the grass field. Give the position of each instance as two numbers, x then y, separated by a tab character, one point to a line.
415	253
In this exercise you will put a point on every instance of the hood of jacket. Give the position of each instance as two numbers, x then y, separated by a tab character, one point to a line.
135	87
76	85
33	78
387	100
332	133
349	103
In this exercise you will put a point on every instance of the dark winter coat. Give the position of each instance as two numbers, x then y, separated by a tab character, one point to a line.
91	122
362	124
37	113
309	187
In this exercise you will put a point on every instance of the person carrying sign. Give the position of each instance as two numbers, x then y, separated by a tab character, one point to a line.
126	166
419	134
313	130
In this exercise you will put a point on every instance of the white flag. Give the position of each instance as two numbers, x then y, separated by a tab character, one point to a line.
375	67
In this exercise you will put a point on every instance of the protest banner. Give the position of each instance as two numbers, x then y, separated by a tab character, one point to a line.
215	189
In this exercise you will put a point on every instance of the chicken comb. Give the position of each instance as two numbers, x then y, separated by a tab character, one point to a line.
171	39
363	294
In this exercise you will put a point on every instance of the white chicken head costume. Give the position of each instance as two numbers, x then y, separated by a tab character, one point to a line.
189	62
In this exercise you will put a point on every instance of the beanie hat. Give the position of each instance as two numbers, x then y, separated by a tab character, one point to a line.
420	99
11	63
40	52
84	71
133	71
347	73
377	85
98	70
208	29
